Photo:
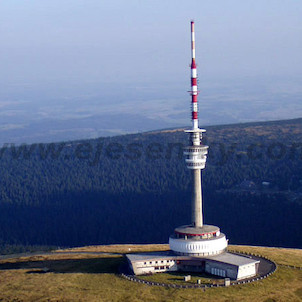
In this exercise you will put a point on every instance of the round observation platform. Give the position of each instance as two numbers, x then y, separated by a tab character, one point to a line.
198	241
206	231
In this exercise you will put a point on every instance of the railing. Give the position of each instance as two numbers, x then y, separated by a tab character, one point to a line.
133	278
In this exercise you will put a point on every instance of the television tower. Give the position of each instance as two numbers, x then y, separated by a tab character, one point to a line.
197	238
196	154
196	247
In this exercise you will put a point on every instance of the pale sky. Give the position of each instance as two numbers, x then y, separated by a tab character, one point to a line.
65	49
95	40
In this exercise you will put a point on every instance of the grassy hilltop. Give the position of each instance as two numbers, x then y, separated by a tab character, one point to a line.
91	274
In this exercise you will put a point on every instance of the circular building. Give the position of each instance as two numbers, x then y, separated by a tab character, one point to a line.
198	241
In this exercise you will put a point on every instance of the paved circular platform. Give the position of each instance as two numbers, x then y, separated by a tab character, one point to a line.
266	268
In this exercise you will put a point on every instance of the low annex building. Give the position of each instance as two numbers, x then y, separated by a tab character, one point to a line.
225	265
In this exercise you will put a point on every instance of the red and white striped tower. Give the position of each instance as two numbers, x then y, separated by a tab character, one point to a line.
196	239
196	152
194	90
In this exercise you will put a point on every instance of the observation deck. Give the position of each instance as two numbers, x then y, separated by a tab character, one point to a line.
196	156
198	241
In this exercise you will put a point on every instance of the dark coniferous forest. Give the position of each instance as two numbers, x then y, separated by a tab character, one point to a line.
136	188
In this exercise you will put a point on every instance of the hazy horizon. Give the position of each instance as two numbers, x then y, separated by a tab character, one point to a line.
82	69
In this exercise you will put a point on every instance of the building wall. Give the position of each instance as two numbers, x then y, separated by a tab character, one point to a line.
154	266
191	265
233	272
221	269
246	271
225	270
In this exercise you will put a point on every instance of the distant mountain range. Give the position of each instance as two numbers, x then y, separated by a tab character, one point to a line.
53	112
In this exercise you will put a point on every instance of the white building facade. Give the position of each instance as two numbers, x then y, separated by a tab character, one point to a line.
226	265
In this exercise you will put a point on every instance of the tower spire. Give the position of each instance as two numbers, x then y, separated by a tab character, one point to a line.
194	90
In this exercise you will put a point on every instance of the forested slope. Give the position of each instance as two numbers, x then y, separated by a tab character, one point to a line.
136	189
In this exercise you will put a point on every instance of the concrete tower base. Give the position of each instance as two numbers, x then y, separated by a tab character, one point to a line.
201	242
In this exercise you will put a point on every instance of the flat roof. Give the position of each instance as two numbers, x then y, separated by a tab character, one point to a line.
151	256
233	259
227	258
189	229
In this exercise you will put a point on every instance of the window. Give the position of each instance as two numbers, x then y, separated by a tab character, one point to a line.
145	262
150	262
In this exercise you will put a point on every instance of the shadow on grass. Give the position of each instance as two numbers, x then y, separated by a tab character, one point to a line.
85	265
195	274
178	278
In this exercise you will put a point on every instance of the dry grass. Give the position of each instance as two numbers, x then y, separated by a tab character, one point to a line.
178	278
279	255
91	277
120	248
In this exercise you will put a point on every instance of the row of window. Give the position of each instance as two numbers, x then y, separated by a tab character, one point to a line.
161	267
196	149
162	261
206	236
203	254
218	272
195	164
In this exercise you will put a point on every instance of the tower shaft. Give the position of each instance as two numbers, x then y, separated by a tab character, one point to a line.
197	219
